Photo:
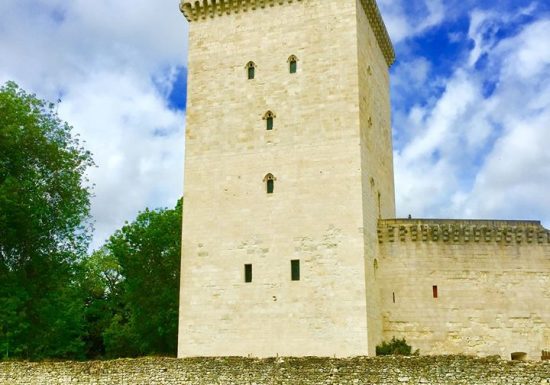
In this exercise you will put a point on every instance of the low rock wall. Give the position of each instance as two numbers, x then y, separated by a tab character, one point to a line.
289	371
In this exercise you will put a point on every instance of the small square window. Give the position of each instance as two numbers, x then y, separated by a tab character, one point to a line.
295	269
248	273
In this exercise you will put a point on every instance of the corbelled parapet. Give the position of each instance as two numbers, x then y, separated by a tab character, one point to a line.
197	10
461	231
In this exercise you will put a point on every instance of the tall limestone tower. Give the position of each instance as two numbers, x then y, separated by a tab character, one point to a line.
288	167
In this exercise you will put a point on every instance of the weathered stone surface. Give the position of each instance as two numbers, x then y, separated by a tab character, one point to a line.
444	370
329	153
493	290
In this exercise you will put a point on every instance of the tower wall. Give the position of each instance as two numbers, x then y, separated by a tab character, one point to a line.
376	157
315	214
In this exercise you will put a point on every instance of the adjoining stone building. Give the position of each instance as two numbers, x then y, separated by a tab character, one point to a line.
288	243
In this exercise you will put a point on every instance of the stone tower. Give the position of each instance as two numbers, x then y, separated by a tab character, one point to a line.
288	167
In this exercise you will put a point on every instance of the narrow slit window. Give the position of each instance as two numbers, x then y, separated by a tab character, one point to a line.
295	269
393	294
293	64
248	273
269	118
251	70
269	181
293	67
434	291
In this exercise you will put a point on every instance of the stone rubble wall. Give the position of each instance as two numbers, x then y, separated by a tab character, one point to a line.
435	370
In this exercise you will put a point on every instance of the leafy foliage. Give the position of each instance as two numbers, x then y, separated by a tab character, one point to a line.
55	301
398	347
44	208
100	284
139	267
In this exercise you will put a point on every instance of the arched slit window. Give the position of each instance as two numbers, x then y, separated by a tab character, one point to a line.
269	117
269	181
251	70
293	64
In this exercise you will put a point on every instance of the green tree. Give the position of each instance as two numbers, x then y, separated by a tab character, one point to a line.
101	288
144	298
44	229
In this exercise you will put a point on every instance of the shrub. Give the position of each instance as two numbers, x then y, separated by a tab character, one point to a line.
395	347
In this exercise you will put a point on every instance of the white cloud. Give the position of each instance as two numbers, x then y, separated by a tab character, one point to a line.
484	25
111	62
484	154
403	24
121	115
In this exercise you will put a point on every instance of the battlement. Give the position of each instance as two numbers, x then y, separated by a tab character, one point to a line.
461	231
197	10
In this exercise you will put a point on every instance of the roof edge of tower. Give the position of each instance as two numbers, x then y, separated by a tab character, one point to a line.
196	10
380	31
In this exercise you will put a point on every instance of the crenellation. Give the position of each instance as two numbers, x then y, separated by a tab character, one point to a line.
488	233
380	234
508	232
445	232
519	235
402	233
435	233
195	10
425	231
499	235
543	236
414	232
391	237
467	234
529	235
458	231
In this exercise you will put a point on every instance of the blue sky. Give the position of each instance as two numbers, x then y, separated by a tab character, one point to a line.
470	100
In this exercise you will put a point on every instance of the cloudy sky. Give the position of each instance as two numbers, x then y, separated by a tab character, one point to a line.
470	95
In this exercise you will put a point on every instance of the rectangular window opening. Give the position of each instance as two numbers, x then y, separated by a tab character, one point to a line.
293	67
248	273
270	186
393	297
434	291
251	73
295	269
269	124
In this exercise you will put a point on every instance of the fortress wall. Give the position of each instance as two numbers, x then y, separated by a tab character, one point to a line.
306	371
493	285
